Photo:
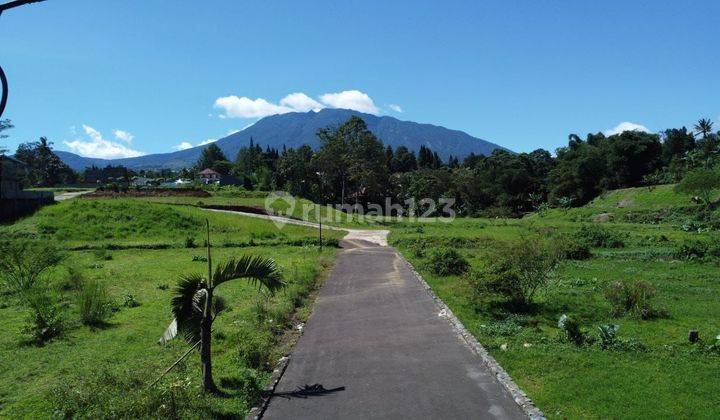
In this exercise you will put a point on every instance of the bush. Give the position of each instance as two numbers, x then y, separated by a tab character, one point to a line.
190	242
572	331
46	320
599	237
608	340
516	272
23	263
632	297
74	278
692	249
573	248
447	262
94	303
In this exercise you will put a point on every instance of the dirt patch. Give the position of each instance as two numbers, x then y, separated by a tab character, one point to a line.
155	192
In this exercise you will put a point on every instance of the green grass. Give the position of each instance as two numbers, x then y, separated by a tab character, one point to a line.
129	222
100	370
670	379
646	205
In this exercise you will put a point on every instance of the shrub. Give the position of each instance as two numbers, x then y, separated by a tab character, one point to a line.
607	335
700	181
572	248
74	278
447	262
599	237
632	297
691	249
23	263
572	331
516	272
190	242
46	320
94	303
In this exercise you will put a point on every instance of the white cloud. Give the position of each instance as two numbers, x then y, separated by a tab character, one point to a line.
396	108
208	141
183	145
626	126
98	147
244	107
350	99
300	102
123	135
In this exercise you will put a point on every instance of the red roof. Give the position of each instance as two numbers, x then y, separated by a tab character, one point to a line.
208	171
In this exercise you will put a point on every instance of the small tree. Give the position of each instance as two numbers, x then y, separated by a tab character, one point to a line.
701	182
515	272
195	305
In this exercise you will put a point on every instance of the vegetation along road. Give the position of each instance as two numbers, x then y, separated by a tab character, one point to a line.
382	347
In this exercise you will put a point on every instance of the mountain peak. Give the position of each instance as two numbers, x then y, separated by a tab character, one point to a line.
295	129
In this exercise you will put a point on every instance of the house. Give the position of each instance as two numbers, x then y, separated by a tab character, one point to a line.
140	181
14	202
209	176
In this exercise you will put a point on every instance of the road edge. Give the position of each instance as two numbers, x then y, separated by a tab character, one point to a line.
520	397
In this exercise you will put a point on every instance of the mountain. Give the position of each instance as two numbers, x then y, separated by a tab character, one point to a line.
297	128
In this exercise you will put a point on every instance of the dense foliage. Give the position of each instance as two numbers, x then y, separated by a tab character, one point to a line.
353	166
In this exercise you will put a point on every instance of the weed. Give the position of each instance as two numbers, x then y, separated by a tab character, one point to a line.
572	331
632	297
129	301
46	319
94	303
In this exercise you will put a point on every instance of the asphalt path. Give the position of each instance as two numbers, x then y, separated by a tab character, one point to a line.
377	346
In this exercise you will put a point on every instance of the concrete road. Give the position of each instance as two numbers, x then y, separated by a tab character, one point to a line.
376	332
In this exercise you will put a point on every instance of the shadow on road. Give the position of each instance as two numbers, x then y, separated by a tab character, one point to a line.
306	391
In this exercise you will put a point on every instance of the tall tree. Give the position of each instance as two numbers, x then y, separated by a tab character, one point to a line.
704	127
211	154
45	167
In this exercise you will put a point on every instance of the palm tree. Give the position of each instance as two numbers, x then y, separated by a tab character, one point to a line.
704	127
195	305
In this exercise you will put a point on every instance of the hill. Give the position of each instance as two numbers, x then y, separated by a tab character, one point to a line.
297	128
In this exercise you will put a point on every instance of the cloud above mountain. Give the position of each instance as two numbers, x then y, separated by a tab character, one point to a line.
184	145
96	146
626	126
243	107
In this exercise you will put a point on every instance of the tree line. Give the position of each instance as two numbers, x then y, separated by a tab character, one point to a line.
352	165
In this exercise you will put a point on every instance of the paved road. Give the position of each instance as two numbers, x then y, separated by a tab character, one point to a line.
375	331
68	195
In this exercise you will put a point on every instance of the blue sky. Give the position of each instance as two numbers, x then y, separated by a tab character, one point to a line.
117	78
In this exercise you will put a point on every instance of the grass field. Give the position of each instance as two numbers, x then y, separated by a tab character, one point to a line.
670	378
138	250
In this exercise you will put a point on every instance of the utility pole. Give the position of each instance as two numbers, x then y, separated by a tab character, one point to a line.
322	199
3	78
